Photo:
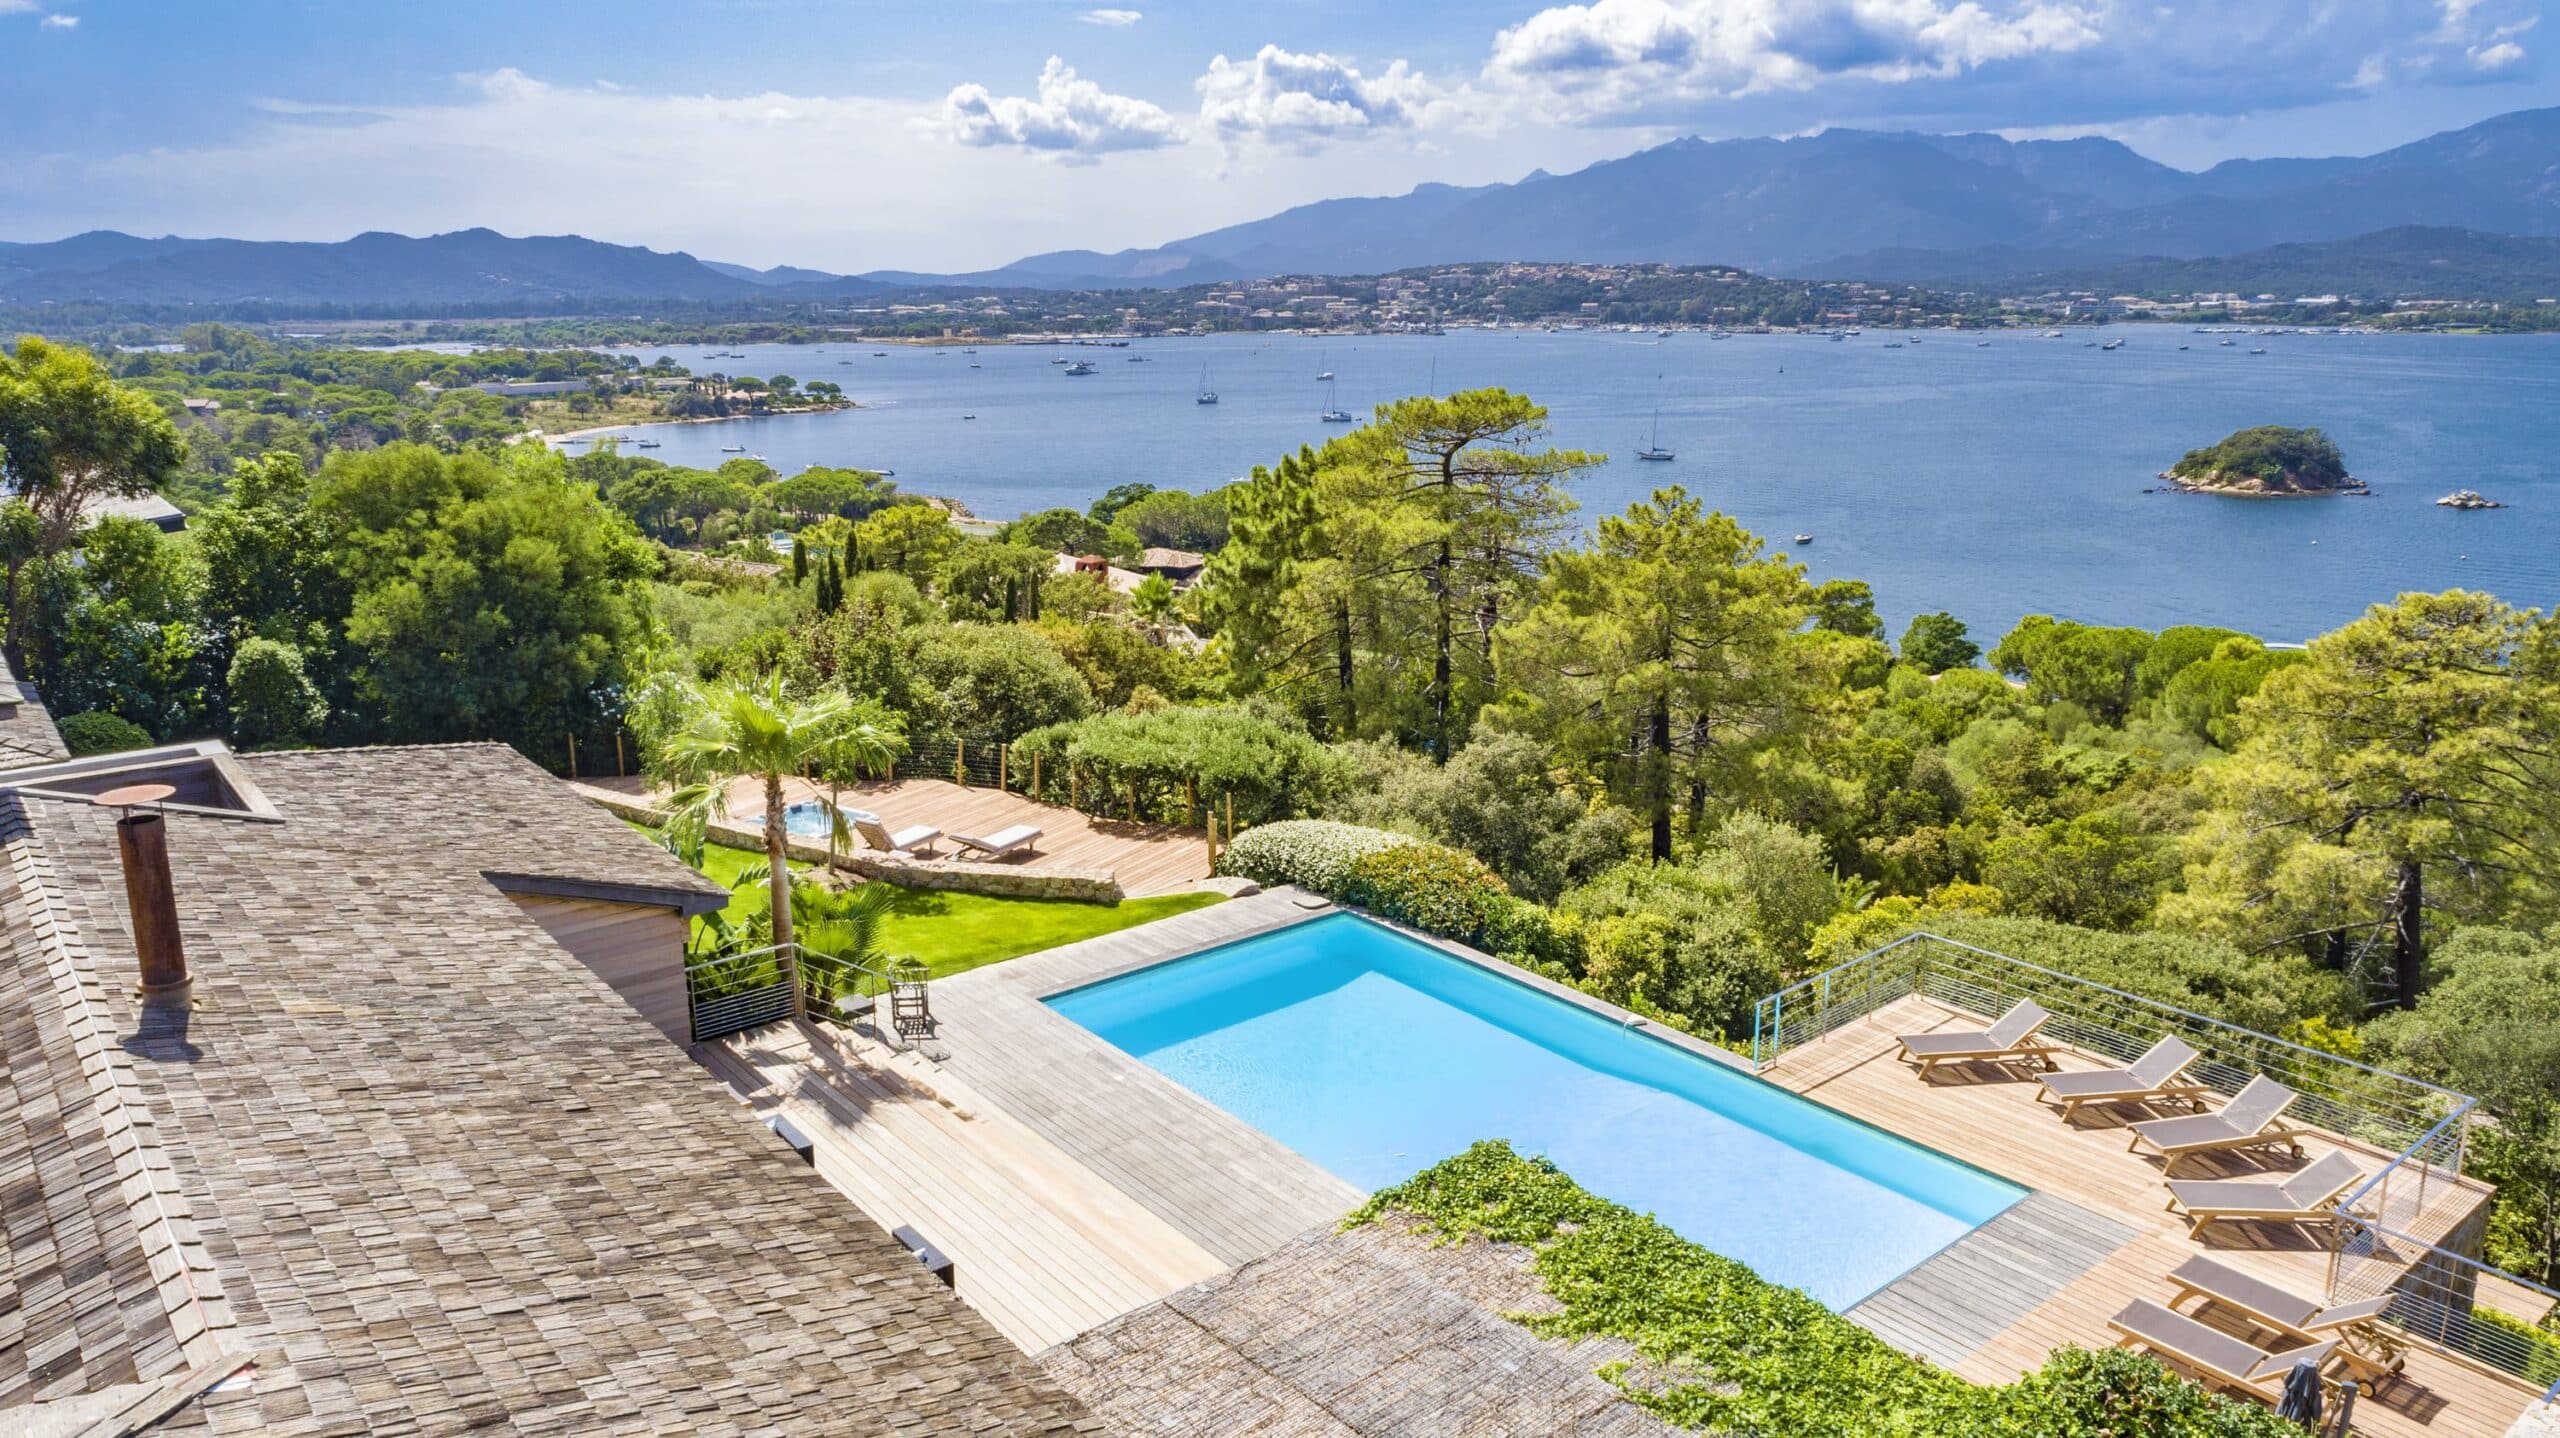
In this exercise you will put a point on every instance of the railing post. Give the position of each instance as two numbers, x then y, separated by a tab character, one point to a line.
1758	1018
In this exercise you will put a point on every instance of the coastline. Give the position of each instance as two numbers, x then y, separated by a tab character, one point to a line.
2172	483
593	430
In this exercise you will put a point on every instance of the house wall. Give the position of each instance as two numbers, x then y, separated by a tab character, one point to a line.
637	948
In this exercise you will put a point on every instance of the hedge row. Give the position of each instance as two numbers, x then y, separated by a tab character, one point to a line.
1726	1351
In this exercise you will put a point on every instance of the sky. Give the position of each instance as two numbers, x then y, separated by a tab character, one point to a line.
950	135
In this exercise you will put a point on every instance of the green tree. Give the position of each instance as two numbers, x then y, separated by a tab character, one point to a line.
1846	606
1500	800
2491	1027
1936	643
2092	870
1671	626
1115	499
2418	740
2062	660
487	596
994	583
1152	601
911	539
69	437
273	701
1173	519
736	731
118	628
999	678
1063	531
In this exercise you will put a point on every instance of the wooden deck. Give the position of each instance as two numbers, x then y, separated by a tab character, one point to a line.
1990	1118
1148	858
1070	1183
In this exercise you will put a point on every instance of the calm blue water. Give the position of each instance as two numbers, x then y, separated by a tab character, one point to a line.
1988	482
1375	1056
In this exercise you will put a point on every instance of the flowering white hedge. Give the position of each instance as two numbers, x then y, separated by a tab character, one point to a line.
1311	853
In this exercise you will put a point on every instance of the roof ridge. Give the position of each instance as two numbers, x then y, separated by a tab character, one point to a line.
142	1164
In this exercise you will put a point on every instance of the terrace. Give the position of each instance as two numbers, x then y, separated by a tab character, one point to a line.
1086	1196
1834	1039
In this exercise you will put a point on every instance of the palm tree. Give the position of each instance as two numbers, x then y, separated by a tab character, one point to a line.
738	731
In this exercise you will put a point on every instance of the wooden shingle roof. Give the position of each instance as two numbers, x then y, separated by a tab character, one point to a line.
407	1165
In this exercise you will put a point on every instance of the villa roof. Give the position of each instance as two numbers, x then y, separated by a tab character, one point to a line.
27	735
406	1164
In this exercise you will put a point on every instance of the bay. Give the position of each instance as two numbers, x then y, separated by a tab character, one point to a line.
1990	481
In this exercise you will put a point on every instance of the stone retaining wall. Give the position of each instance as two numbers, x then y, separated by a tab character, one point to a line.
1005	881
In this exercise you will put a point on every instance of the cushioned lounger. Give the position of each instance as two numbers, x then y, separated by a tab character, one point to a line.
2013	1037
2281	1311
2159	1074
2208	1352
2302	1197
1001	842
2248	1121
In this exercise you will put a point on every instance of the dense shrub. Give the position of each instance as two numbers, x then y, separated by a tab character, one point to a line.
1436	889
2266	992
1729	1352
1500	800
1314	854
1675	944
1152	764
100	733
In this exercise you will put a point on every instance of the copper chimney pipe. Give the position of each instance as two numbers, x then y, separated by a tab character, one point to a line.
142	841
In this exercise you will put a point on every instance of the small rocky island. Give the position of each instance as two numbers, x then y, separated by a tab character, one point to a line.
2469	499
2268	462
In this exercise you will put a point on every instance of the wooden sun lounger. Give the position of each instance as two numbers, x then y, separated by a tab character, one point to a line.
916	839
2301	1197
2013	1037
2248	1121
2210	1353
2290	1315
2159	1074
1003	841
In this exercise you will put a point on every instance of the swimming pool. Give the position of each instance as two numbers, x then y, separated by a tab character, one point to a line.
1374	1055
807	819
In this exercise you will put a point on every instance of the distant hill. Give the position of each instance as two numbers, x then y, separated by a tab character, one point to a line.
1875	205
465	267
2406	262
778	275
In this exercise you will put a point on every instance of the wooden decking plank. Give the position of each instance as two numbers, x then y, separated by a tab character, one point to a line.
1995	1306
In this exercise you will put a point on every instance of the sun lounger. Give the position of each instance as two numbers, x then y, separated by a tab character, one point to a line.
2292	1316
917	839
2012	1037
2159	1074
2248	1121
1002	842
2300	1197
2209	1353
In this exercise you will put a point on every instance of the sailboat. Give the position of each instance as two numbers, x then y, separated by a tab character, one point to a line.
1653	449
1323	374
1334	413
1206	394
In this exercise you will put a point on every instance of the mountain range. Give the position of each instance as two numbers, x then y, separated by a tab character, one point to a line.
1864	204
464	268
2456	213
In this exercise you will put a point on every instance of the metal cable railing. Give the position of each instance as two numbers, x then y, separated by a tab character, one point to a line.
2417	1120
729	993
2437	1301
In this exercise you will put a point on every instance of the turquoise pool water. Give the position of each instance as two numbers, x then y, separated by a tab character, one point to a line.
1374	1056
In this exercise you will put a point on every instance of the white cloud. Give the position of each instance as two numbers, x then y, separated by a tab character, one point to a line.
59	22
2497	55
1612	57
1068	116
1111	17
1298	100
16	7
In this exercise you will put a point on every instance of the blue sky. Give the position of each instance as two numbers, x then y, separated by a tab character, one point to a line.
960	133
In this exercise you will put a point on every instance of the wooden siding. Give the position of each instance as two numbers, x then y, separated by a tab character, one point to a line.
637	948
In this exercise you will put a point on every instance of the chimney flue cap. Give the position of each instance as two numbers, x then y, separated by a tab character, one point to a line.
134	796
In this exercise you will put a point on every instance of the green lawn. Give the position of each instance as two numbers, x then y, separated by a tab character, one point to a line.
953	932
